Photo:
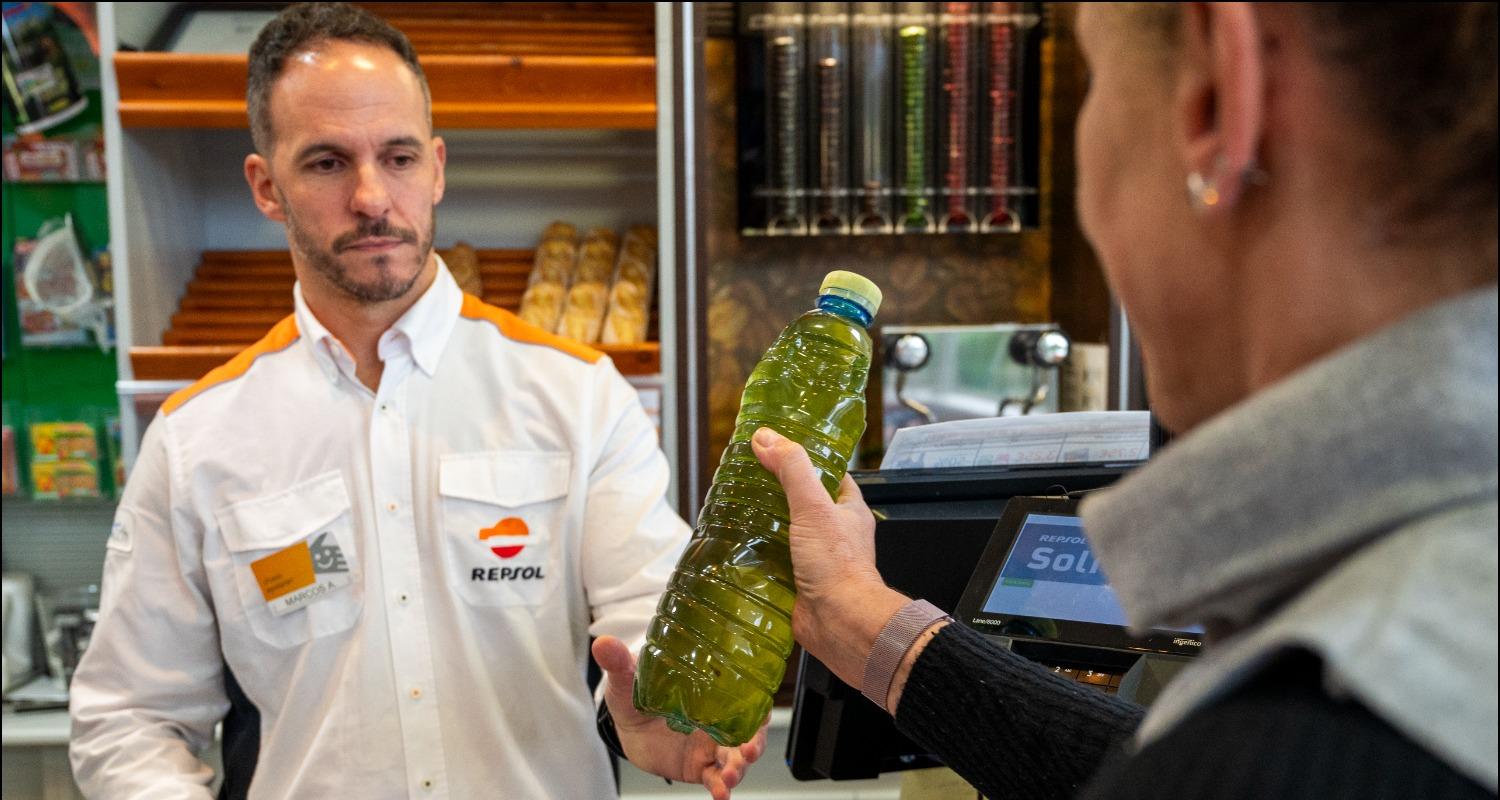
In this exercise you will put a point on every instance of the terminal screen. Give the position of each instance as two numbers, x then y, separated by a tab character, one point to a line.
1051	573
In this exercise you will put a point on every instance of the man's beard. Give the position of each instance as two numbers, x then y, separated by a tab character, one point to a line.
388	286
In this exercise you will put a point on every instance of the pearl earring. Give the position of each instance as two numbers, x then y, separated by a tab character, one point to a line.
1203	192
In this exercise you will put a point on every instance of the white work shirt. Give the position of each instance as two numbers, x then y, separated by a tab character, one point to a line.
498	500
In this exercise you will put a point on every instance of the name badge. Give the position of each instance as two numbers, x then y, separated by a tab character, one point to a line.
298	575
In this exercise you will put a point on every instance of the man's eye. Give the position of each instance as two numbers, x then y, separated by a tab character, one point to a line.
325	164
403	161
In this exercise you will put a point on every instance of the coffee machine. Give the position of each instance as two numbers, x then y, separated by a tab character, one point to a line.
938	373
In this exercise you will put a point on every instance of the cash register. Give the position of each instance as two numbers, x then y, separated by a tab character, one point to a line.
1002	550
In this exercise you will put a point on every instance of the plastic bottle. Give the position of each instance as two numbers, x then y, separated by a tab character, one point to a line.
717	648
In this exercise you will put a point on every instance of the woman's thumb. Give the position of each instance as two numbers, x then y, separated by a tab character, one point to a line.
790	464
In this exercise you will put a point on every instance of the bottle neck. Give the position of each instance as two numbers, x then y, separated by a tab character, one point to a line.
848	309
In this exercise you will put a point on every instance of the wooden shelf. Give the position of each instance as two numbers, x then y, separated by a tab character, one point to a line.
179	363
171	90
236	296
489	65
509	27
191	362
634	359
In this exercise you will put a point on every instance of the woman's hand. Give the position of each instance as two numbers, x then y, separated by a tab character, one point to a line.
842	602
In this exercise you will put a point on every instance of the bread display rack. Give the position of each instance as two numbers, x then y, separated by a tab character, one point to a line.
236	296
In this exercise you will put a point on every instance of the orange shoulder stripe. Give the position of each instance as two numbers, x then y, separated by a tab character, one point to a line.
278	339
517	329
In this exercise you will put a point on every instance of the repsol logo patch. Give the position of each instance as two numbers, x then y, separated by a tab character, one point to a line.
507	529
495	574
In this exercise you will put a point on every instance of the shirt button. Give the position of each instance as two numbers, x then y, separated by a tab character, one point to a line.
416	694
427	784
403	598
391	507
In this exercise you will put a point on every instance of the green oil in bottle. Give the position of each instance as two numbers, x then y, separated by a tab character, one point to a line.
717	648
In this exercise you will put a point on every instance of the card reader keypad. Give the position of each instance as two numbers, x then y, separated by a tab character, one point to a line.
1107	682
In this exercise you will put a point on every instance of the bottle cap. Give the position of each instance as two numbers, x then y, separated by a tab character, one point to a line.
853	287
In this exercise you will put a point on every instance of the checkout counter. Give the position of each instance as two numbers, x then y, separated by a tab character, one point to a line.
1000	549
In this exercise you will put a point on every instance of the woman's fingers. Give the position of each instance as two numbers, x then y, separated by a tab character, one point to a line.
850	495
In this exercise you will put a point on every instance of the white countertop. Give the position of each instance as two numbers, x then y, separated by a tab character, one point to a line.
51	728
769	780
35	728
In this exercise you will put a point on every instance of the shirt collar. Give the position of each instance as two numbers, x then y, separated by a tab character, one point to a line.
422	331
426	325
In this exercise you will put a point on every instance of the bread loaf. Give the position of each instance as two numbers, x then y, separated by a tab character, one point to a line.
588	295
629	314
551	273
463	264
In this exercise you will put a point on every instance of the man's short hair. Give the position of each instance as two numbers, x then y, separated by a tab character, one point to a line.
301	26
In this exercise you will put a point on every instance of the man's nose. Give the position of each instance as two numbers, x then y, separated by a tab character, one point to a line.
370	196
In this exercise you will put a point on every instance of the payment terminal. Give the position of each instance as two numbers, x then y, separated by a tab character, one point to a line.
932	528
1039	591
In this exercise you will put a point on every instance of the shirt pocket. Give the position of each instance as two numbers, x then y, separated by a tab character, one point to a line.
502	513
319	513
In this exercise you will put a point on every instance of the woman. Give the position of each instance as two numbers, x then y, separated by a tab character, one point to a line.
1296	204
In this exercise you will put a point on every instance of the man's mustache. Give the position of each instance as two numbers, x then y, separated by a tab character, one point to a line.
378	229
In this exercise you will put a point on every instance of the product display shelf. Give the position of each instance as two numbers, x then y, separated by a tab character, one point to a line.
524	28
548	111
489	65
234	297
171	90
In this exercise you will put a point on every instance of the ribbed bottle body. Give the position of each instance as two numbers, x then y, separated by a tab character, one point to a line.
717	648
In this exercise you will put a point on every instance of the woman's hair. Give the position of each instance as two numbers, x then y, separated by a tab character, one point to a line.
1421	79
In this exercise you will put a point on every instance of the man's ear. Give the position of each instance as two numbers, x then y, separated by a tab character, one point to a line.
1221	95
262	189
439	155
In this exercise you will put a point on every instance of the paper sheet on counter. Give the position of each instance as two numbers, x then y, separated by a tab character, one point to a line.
1067	438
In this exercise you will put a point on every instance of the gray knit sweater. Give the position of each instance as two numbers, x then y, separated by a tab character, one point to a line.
1341	526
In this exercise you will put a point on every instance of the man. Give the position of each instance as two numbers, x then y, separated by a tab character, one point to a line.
376	543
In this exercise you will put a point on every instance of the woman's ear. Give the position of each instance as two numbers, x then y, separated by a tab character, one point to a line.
1220	103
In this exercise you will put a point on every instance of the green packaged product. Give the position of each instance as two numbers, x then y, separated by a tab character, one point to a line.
717	648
